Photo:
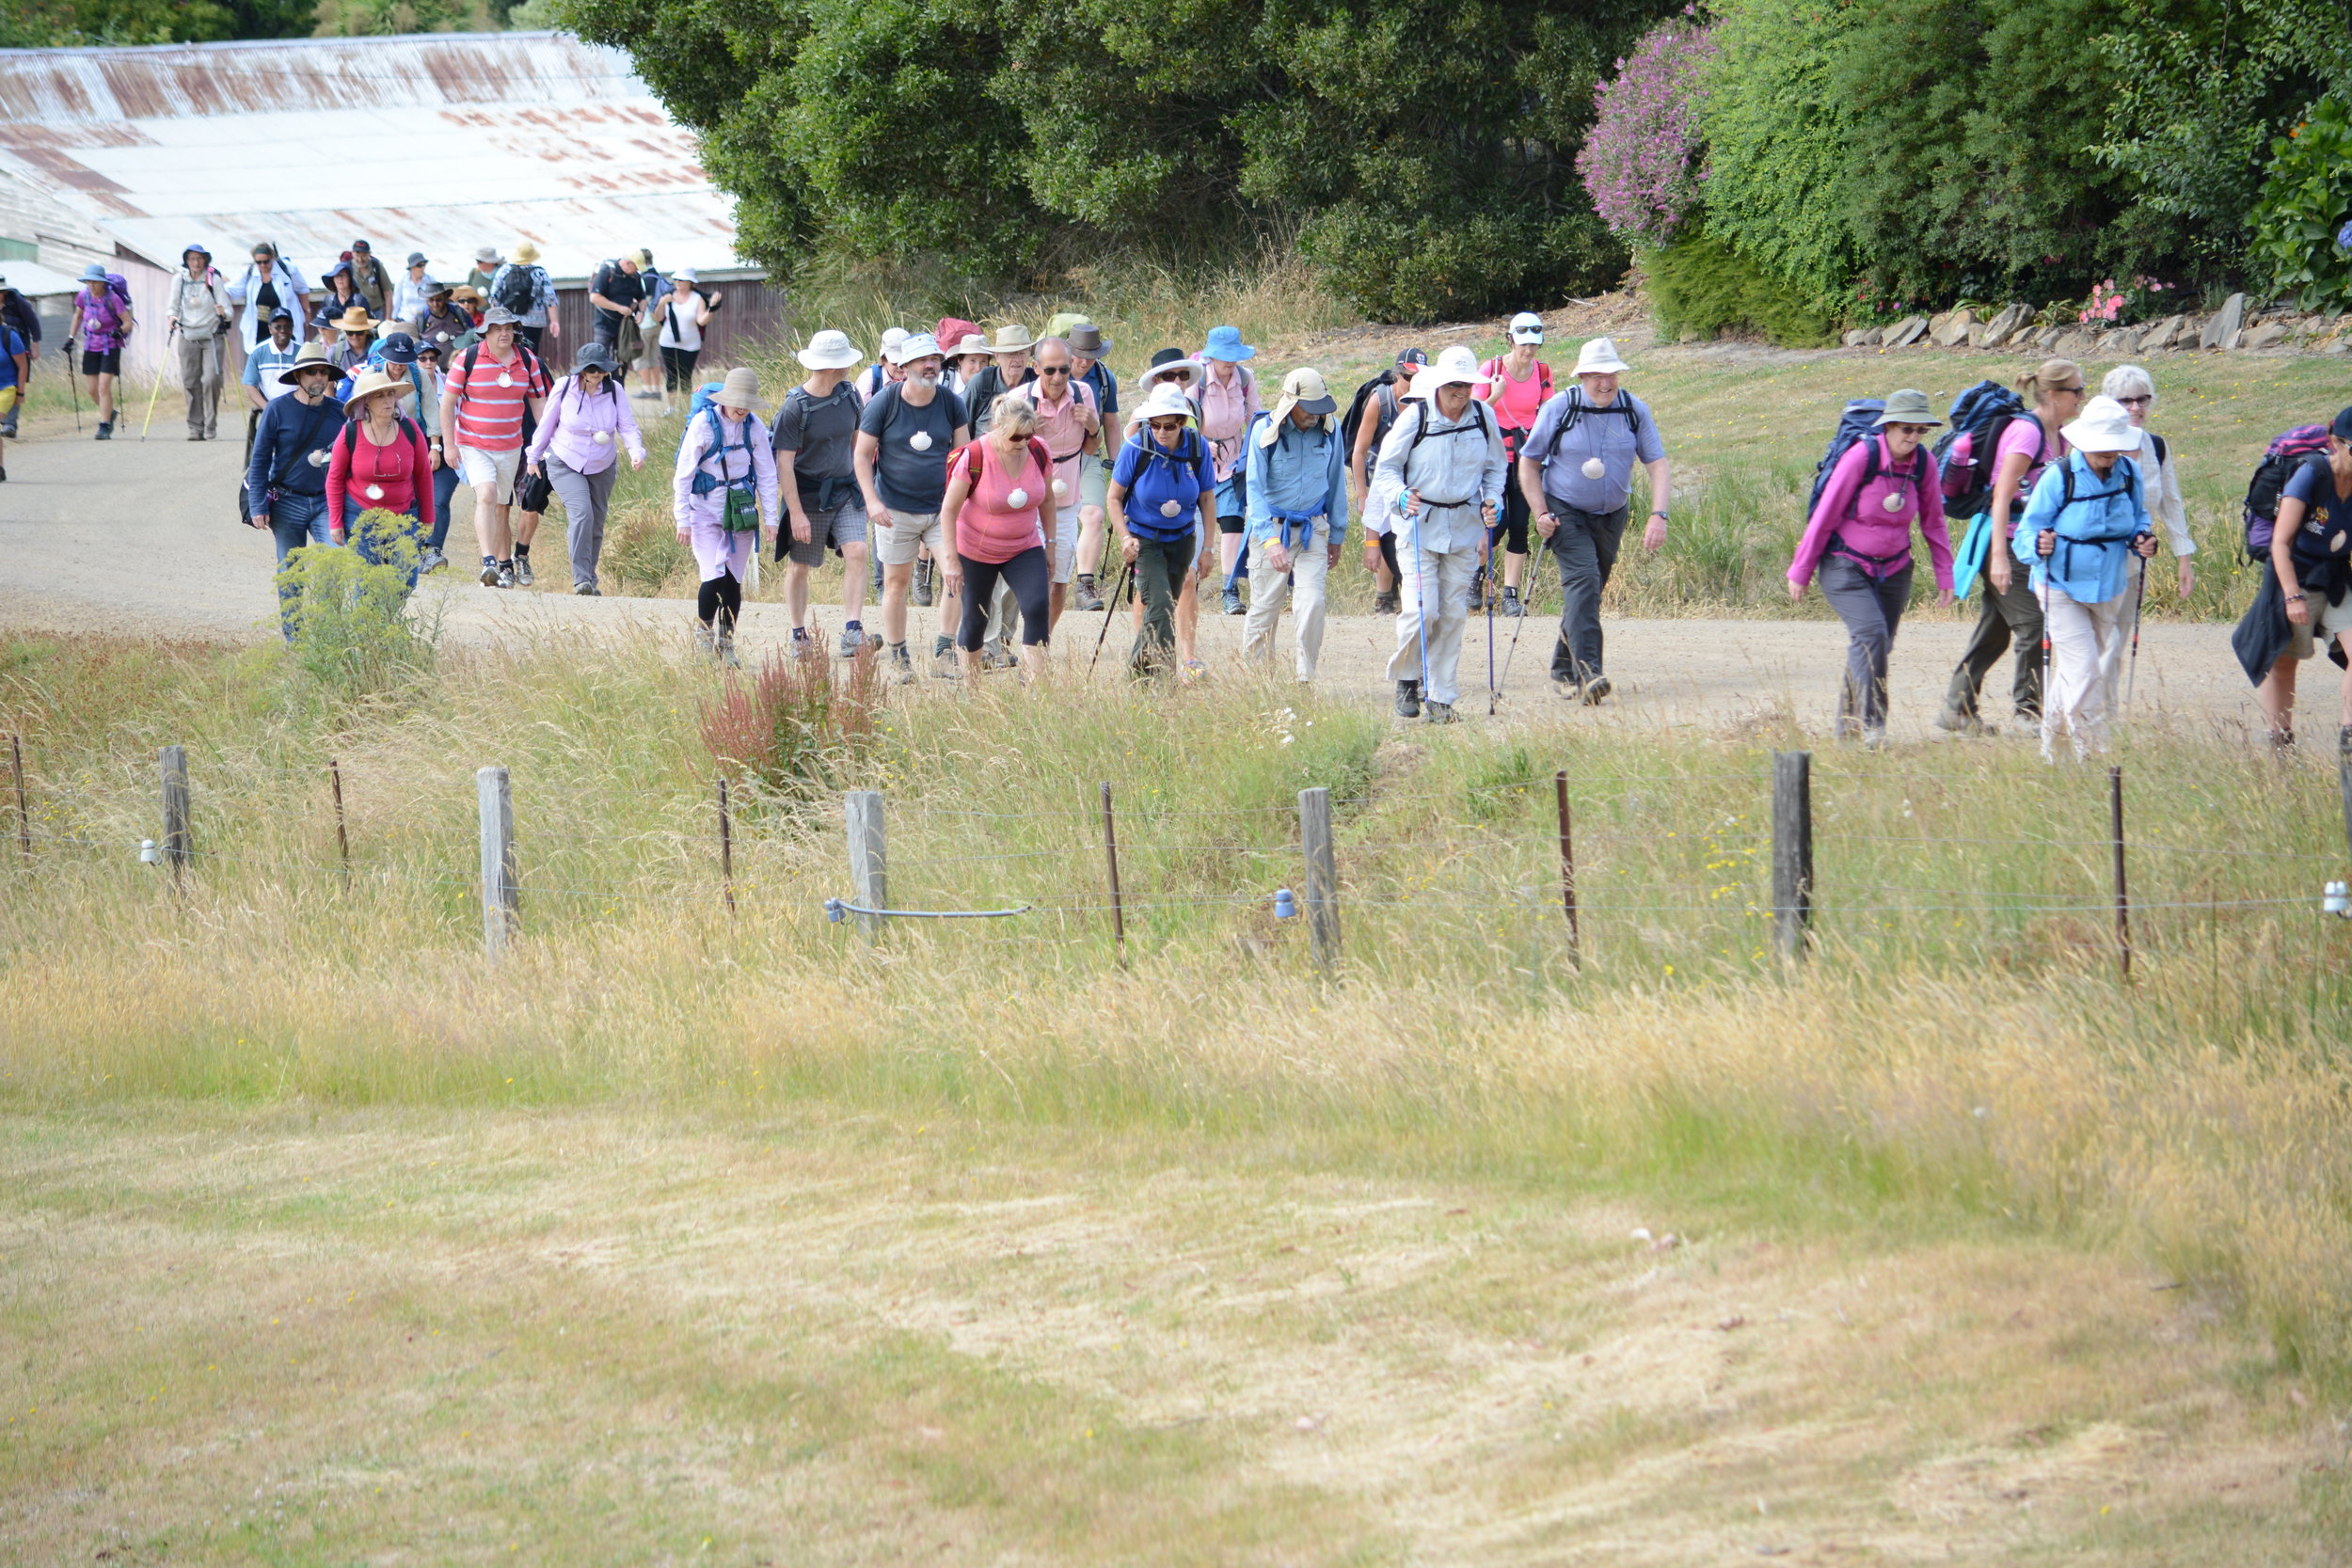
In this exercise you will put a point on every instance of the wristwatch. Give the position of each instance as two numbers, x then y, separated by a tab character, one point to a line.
1657	514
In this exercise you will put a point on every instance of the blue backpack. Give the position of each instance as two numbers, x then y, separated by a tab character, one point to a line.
1978	418
1859	422
705	395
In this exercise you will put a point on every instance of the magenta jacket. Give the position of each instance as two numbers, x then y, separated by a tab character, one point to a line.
572	422
1856	516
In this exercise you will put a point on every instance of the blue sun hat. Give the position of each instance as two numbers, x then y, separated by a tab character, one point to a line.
93	273
1225	343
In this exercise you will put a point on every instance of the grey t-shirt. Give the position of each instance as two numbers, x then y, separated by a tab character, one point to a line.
1607	434
911	474
821	434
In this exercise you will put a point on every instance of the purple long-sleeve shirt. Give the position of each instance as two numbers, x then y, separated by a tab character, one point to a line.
583	429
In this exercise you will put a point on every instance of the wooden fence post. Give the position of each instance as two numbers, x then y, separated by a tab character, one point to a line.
501	891
1323	876
172	764
1792	850
342	838
2343	783
24	815
1567	870
868	858
1110	856
2123	900
726	846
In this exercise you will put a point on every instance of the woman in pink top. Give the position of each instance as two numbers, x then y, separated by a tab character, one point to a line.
1000	522
587	419
379	462
1518	387
1859	538
2028	444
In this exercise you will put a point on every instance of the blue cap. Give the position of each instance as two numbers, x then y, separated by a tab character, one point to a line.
93	273
2341	429
399	349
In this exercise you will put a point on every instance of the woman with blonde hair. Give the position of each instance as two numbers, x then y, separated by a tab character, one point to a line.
1001	525
2028	444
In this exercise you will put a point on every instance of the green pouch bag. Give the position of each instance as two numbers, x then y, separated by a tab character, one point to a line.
741	514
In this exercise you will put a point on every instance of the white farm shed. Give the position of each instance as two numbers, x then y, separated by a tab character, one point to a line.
439	142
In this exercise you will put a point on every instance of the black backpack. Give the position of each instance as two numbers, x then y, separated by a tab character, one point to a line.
1982	414
1353	420
1577	408
517	288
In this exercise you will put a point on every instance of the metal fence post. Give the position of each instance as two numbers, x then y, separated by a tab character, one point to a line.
342	834
177	846
868	858
1323	876
501	891
1792	850
726	846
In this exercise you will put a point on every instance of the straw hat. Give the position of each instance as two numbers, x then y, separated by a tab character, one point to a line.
2102	426
356	320
831	350
526	253
368	384
1304	388
740	389
1598	356
1011	340
311	357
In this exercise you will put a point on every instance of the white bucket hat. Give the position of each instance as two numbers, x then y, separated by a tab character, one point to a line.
1598	356
1456	367
2103	426
1167	401
1527	327
915	345
971	342
831	350
892	337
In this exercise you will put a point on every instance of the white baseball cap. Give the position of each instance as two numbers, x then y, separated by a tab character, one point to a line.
915	345
1527	327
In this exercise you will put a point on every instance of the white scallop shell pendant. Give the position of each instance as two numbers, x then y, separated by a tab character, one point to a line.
604	437
1170	509
1593	467
505	380
920	440
1894	501
318	459
1062	488
375	491
1017	498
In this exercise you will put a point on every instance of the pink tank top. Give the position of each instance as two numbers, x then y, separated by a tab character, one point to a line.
990	526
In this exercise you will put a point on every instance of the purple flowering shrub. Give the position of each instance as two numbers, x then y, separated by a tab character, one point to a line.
1642	163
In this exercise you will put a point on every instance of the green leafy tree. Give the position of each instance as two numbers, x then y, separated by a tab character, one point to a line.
59	23
2306	197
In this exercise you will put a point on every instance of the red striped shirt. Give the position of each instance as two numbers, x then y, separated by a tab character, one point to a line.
489	414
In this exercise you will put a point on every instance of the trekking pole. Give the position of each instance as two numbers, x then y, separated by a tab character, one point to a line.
1118	593
159	383
2131	682
1487	550
71	391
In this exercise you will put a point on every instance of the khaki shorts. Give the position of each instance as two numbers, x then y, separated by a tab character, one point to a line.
2328	622
491	468
909	531
1066	546
1094	483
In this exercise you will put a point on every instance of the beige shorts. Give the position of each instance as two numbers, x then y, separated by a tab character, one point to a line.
908	532
2328	622
491	468
1094	482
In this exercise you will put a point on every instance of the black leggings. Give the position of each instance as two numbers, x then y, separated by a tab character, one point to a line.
1387	554
723	599
1029	578
1515	518
677	368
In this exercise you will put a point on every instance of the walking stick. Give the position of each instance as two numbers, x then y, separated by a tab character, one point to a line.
159	383
1487	549
70	391
2131	682
1119	594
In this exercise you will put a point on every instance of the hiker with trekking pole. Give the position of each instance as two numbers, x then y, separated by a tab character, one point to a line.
2084	522
1439	479
199	314
1296	485
1370	415
1162	500
1576	472
1998	450
2136	389
102	322
1874	484
2304	605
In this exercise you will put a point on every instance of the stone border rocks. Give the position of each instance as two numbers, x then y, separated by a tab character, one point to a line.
2236	328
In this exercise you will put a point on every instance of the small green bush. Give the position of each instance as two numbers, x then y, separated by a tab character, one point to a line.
1700	287
347	615
2306	196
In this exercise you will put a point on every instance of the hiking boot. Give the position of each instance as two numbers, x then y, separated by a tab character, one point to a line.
1086	597
854	640
1511	605
1962	723
901	665
1409	699
522	569
1233	601
1439	713
726	651
432	560
943	662
1386	602
489	571
704	643
106	431
802	646
1594	690
588	591
1874	737
506	574
1478	594
923	583
1570	689
996	655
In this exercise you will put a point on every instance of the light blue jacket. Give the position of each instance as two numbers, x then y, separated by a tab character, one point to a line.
1304	473
2095	531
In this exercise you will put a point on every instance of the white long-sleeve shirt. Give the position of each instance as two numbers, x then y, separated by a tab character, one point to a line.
1460	461
2161	482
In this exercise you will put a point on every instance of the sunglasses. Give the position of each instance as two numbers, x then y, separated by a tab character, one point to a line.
2077	390
1167	424
1912	429
1053	370
2135	403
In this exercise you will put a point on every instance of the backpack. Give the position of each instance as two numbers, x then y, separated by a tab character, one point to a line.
1353	420
2287	452
1577	408
1979	418
1428	412
117	299
705	395
348	436
517	288
1859	422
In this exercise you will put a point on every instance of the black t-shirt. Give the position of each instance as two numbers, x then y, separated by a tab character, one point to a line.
2325	538
986	388
821	434
911	473
621	288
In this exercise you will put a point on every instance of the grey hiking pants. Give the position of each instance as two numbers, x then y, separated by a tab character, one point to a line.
1586	546
1871	607
585	499
2016	614
200	374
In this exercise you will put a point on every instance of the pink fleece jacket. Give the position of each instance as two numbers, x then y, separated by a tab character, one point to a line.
1859	515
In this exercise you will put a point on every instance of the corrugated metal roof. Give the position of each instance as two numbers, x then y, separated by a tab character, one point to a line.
439	143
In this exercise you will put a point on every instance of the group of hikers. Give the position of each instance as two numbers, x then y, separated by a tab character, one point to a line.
991	475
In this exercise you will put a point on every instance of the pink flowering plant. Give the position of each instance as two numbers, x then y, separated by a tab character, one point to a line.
2110	303
1642	162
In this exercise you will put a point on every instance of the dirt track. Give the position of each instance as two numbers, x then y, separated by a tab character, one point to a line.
138	539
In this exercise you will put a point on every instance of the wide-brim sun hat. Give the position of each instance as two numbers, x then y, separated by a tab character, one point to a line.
526	253
831	350
1015	339
1086	341
499	315
1909	406
971	342
1225	343
489	255
1166	402
311	358
197	249
1527	327
1167	364
688	275
1456	367
740	389
356	320
1304	388
416	258
2102	426
369	385
915	345
466	292
595	356
93	273
1598	356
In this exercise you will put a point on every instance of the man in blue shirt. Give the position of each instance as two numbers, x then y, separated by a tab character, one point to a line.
269	361
1163	497
1576	470
1297	517
285	478
15	364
